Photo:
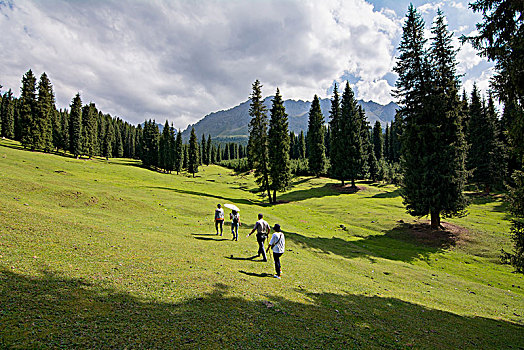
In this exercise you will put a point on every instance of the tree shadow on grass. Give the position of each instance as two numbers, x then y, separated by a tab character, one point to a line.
392	194
51	311
404	242
237	201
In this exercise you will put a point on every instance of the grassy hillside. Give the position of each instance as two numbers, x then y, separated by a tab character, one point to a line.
101	254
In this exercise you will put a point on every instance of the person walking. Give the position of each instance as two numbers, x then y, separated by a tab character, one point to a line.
235	223
278	244
263	229
219	219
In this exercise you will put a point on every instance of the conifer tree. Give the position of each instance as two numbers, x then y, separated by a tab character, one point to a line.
75	126
346	138
315	135
365	140
108	140
193	153
171	144
378	141
8	115
118	150
433	143
179	152
258	144
386	143
301	146
89	130
27	109
203	149
278	139
208	160
42	120
163	148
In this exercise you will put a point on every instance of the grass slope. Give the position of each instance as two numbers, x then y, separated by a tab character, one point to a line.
102	254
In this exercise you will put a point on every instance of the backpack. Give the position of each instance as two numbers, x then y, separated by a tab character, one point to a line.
235	218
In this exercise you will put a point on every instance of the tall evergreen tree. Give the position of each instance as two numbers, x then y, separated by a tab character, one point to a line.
378	141
482	138
118	150
301	146
258	143
433	143
89	130
8	115
279	144
75	126
208	160
27	109
163	148
150	140
346	139
42	120
193	154
179	152
315	139
109	140
203	149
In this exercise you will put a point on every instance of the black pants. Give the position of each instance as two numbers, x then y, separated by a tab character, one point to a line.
260	240
219	223
277	256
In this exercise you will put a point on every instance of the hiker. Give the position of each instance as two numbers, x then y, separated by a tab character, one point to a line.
278	243
235	222
219	218
263	229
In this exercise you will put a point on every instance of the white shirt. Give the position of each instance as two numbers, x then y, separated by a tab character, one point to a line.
279	241
219	214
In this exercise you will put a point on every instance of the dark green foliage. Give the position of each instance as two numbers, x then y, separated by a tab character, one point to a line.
279	144
207	159
239	165
365	139
203	150
42	119
118	148
346	132
516	207
179	152
7	112
150	139
193	153
109	140
301	146
484	147
164	153
90	130
27	109
378	141
433	142
75	126
258	139
315	139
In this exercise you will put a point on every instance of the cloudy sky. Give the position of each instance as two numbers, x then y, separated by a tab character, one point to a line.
182	59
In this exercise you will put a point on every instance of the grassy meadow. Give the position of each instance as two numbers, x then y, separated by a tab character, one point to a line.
107	254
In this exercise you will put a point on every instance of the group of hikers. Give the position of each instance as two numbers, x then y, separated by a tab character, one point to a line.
262	228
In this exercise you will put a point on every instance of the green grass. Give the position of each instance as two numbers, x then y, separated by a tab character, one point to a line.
101	254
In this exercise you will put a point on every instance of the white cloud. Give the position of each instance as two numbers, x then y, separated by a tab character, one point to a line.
430	7
183	59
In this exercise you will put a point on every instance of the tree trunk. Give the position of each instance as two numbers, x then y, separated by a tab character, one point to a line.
435	220
342	182
353	183
274	196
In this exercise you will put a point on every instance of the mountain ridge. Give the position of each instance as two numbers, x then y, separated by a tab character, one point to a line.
233	122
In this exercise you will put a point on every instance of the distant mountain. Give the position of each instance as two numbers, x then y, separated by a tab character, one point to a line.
233	122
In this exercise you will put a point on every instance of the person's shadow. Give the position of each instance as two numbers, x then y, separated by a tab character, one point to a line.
241	258
253	274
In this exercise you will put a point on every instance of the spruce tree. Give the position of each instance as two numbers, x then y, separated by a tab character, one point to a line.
347	153
27	109
109	140
433	143
118	150
203	148
208	160
89	130
279	145
45	109
193	153
378	141
75	126
163	148
179	152
365	140
301	146
258	143
8	115
315	139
